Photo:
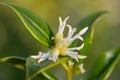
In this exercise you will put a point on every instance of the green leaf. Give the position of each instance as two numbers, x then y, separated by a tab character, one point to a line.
33	68
37	27
89	21
18	62
47	75
104	65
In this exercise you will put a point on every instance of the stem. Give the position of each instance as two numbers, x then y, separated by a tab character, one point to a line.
68	71
50	66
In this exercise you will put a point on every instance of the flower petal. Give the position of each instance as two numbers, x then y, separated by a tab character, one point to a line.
40	60
81	38
71	31
79	35
82	57
72	54
77	48
62	25
53	56
60	20
83	30
43	56
35	56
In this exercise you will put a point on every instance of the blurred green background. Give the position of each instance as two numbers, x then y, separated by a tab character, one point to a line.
15	40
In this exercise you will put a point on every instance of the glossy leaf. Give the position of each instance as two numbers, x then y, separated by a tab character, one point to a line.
37	27
18	62
89	21
104	65
33	68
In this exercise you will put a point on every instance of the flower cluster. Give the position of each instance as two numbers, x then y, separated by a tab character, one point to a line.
62	45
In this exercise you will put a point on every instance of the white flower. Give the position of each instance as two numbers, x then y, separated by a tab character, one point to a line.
62	44
70	63
81	68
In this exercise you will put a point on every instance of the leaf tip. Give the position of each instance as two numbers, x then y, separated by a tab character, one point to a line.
7	4
4	3
104	12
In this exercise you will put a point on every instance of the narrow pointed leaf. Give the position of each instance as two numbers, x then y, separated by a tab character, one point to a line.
104	65
18	62
90	22
37	27
33	68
